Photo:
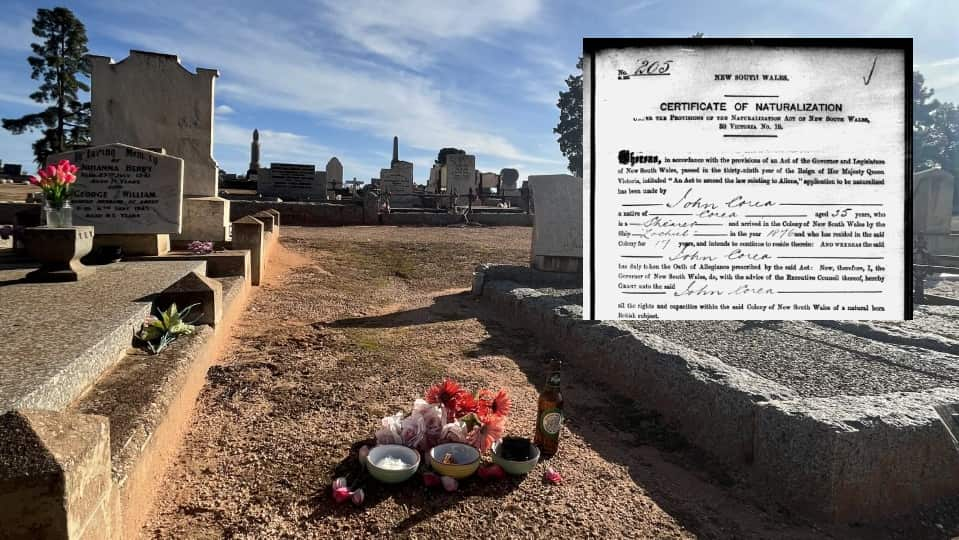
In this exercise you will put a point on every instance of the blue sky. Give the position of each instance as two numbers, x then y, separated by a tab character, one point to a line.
340	77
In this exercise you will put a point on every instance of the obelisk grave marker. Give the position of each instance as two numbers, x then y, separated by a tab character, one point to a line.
122	189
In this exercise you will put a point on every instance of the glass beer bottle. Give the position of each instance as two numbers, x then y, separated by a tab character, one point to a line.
549	418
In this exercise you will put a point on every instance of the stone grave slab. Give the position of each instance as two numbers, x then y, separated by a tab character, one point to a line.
289	180
557	222
46	366
122	189
460	173
932	201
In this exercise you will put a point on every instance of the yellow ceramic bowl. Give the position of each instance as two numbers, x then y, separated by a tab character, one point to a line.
466	457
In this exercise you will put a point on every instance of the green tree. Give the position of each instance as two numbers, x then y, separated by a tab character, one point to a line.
441	156
570	126
57	61
923	106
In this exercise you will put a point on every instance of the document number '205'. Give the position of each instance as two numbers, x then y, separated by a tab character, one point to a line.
647	67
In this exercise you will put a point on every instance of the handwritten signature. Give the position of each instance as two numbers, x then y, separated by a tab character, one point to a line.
697	288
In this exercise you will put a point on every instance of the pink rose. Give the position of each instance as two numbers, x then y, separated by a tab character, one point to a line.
413	431
389	433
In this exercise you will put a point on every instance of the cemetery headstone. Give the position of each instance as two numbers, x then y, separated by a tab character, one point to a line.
510	177
289	181
557	223
460	172
932	201
334	174
122	189
149	100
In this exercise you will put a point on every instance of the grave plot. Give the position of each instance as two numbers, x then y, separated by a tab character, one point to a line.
359	325
773	398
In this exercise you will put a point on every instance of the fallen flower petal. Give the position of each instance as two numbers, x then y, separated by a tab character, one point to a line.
552	476
449	483
431	479
358	497
491	472
341	495
339	483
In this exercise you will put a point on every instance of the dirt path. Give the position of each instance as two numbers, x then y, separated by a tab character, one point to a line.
354	323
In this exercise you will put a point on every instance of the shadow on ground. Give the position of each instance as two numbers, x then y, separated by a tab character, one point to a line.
683	480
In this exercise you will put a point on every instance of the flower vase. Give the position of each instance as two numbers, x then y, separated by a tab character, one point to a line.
58	217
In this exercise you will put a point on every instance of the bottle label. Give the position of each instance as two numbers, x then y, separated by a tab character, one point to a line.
551	422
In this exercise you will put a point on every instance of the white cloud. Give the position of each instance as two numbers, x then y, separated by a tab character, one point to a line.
282	74
224	110
409	33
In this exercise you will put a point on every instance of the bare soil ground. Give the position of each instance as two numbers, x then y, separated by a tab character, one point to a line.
16	192
354	323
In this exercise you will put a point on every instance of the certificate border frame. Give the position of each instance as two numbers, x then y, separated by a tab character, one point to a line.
594	45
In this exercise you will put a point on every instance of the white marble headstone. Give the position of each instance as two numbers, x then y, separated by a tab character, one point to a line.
123	189
558	215
932	201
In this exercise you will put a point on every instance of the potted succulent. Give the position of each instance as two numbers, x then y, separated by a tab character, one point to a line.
56	181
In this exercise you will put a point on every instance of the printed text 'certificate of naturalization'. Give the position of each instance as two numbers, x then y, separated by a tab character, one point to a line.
745	180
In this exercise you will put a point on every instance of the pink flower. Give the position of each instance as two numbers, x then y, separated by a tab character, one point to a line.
340	482
449	483
453	432
491	472
413	431
432	418
357	497
552	476
389	433
483	437
63	163
431	479
48	171
34	180
341	495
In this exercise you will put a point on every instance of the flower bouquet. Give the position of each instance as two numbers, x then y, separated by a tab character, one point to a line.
55	182
447	413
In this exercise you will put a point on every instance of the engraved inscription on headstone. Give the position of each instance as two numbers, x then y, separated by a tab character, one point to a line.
123	189
296	181
460	172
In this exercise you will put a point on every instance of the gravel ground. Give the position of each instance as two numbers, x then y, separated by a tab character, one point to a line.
813	360
817	360
352	324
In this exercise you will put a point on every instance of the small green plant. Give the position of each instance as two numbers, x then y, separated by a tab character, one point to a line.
158	332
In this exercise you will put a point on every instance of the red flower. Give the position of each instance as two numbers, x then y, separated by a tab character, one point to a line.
490	405
465	404
447	393
487	433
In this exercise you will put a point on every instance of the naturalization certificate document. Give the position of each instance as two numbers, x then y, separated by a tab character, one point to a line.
747	179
